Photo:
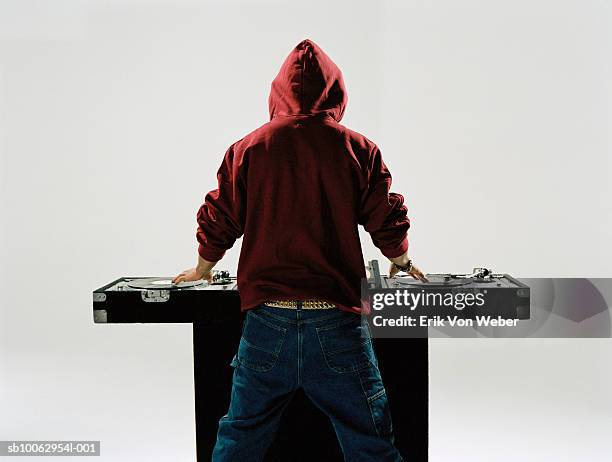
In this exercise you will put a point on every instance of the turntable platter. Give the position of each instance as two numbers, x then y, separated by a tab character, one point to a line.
435	280
161	283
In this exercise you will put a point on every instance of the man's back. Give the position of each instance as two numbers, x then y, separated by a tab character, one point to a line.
297	188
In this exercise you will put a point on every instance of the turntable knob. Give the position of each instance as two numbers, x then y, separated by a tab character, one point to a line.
220	275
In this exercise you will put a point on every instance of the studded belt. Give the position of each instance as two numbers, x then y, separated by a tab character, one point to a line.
306	304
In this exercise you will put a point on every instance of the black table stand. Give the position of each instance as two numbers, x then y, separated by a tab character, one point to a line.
404	368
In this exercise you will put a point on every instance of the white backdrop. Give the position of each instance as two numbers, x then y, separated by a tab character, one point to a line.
494	118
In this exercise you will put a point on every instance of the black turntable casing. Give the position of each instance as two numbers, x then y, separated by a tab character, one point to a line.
505	296
157	300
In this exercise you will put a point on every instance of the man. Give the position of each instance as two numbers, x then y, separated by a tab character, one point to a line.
297	188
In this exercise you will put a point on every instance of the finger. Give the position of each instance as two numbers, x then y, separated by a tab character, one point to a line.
392	270
416	274
422	276
178	276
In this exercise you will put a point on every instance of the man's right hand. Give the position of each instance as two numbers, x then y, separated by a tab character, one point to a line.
403	261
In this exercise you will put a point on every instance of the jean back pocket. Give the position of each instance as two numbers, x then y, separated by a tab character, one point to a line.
346	344
260	343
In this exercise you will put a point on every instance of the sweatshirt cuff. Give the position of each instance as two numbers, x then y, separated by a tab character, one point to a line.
396	250
211	255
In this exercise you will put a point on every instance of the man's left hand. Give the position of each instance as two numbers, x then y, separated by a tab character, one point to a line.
203	270
193	274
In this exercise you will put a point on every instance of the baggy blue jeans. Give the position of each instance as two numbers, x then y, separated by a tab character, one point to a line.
328	353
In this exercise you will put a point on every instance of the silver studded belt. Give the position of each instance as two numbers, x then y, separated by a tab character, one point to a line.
306	304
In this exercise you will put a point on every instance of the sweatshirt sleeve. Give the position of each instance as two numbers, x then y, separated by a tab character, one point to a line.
221	217
383	213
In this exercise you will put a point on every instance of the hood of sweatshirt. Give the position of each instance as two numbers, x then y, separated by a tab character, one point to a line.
308	82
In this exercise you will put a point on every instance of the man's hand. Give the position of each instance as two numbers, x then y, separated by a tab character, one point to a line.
403	261
202	271
192	274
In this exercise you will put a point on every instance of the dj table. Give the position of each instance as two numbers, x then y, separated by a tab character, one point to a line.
214	310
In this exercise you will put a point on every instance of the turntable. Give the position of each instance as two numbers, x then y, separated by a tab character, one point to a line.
158	299
505	296
159	283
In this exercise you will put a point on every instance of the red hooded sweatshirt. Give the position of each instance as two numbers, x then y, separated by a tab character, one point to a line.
297	188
